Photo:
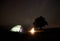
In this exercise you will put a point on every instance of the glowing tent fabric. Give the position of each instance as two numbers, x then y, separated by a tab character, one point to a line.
16	28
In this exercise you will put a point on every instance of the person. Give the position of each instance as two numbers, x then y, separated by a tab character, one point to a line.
40	22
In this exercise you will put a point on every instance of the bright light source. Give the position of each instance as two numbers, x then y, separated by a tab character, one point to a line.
32	31
17	28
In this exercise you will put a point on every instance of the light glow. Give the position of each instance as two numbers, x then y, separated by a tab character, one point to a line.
16	28
32	31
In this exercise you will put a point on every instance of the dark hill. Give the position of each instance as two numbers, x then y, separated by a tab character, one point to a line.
52	34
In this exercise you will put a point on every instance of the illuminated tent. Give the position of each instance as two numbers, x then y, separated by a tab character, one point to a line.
17	28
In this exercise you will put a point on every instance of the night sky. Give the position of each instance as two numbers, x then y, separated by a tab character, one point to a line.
25	11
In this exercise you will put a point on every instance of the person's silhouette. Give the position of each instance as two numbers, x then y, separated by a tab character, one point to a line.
40	22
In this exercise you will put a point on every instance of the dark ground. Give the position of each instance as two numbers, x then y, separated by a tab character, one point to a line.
52	34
